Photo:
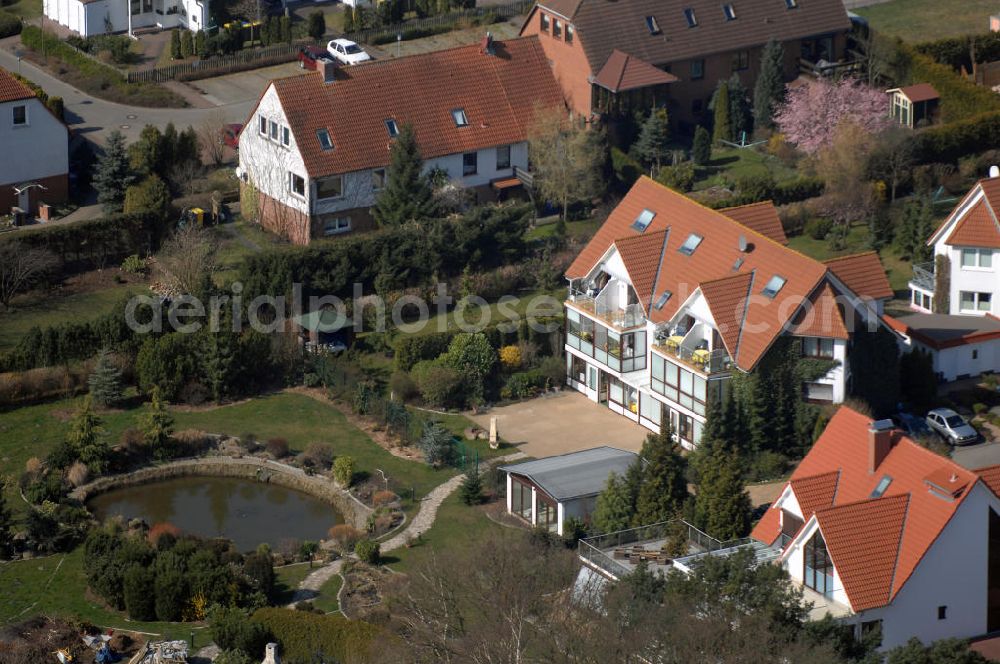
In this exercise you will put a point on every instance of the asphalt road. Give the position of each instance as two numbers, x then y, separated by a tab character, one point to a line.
94	118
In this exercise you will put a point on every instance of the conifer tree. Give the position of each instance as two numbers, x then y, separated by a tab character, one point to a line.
105	381
112	174
759	414
157	426
664	486
407	195
86	437
721	128
175	44
701	151
722	506
615	506
349	25
219	351
471	491
651	146
6	522
740	112
769	90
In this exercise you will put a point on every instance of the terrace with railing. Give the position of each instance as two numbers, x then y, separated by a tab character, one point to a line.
923	275
607	307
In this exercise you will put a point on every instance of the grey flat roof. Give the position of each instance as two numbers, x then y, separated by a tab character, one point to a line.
577	474
943	327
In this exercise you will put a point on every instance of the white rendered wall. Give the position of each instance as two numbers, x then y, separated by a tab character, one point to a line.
37	150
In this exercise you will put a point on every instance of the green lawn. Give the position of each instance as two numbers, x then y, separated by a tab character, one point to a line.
583	229
326	601
897	269
491	313
731	164
926	20
287	580
25	8
44	309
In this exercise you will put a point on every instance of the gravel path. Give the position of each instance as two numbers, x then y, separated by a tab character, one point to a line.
419	525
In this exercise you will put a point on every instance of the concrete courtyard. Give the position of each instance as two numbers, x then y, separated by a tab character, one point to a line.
562	422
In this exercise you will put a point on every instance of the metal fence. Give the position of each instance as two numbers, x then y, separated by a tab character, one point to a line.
593	549
218	65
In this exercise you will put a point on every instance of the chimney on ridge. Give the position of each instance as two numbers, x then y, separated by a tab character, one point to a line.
486	46
329	70
879	443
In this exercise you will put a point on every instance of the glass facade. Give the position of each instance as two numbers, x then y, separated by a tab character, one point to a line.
619	352
678	384
520	498
818	572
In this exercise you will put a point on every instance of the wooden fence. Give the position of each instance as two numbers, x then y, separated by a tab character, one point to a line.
218	65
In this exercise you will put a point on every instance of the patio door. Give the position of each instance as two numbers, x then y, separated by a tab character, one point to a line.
602	388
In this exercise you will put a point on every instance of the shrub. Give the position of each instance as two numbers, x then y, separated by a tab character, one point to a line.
33	466
320	454
979	408
679	178
510	357
436	444
232	630
303	634
521	385
343	471
402	387
133	264
9	25
439	385
158	530
78	474
412	348
818	228
140	593
248	441
383	498
277	447
345	536
626	169
368	551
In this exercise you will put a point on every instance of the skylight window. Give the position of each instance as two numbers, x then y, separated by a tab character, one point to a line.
458	115
652	25
730	12
738	264
791	4
643	221
324	139
392	128
662	300
690	17
773	286
690	244
881	487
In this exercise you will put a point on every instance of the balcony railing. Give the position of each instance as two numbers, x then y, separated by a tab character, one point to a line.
923	275
702	360
622	318
594	550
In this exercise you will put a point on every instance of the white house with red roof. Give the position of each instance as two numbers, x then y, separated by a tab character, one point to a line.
882	533
36	144
316	146
670	299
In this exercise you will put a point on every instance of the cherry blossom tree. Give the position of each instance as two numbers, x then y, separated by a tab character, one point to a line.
811	113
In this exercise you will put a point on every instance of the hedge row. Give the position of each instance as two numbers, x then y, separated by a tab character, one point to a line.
302	634
48	43
96	243
960	97
10	24
950	142
791	191
956	52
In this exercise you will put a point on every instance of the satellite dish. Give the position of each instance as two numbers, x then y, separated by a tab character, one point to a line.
743	243
994	171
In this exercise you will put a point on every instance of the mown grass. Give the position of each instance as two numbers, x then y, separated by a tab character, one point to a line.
287	579
731	164
539	303
583	229
326	601
926	20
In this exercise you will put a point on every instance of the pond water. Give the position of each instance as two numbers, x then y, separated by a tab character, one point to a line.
245	511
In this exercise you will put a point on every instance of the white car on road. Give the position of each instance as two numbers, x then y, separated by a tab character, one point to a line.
347	52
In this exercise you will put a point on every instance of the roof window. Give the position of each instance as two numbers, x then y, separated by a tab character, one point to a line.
730	12
690	17
791	4
324	139
773	286
662	300
392	128
690	244
643	221
458	115
881	487
738	264
652	25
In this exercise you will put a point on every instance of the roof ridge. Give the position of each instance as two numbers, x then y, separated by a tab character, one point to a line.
844	258
899	547
715	280
659	267
746	309
740	207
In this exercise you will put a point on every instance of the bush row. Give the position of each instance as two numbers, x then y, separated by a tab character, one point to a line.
9	24
960	97
780	193
956	52
950	142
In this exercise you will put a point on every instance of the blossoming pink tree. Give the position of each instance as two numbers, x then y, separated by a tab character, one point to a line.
811	113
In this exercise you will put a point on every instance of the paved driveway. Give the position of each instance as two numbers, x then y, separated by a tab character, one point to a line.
563	422
977	456
243	87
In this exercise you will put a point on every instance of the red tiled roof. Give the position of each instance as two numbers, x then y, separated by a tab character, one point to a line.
816	492
920	92
717	256
761	217
863	274
727	300
859	530
863	539
822	318
626	72
991	477
641	256
499	93
12	89
768	528
977	228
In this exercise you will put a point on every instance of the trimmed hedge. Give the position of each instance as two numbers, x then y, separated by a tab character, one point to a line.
10	25
781	193
955	51
950	142
960	97
302	634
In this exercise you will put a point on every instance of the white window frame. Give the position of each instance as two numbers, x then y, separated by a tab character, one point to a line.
341	225
978	255
459	117
978	299
286	136
272	132
291	185
13	119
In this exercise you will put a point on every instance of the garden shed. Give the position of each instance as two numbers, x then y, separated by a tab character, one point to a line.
914	105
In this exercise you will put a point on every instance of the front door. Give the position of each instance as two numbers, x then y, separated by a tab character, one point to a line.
602	388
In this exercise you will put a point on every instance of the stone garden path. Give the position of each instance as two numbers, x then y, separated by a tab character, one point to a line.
420	524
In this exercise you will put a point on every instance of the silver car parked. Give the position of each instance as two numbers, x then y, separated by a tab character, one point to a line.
952	427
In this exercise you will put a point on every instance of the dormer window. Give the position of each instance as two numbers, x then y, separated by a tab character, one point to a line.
690	244
392	128
652	25
689	16
662	300
730	12
324	139
458	115
643	221
774	285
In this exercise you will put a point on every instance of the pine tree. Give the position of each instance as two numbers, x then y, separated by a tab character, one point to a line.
86	438
722	506
701	152
157	426
175	44
105	381
758	414
219	351
769	90
740	112
664	488
721	129
187	45
471	491
407	195
615	506
201	44
651	146
317	24
112	174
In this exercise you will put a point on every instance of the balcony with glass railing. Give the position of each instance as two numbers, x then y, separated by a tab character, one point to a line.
923	276
692	348
608	307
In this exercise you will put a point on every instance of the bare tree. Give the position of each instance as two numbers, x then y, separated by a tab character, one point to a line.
566	157
187	258
893	158
210	137
21	267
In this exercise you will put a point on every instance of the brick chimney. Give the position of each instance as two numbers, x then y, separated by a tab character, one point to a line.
486	45
328	68
271	654
879	443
